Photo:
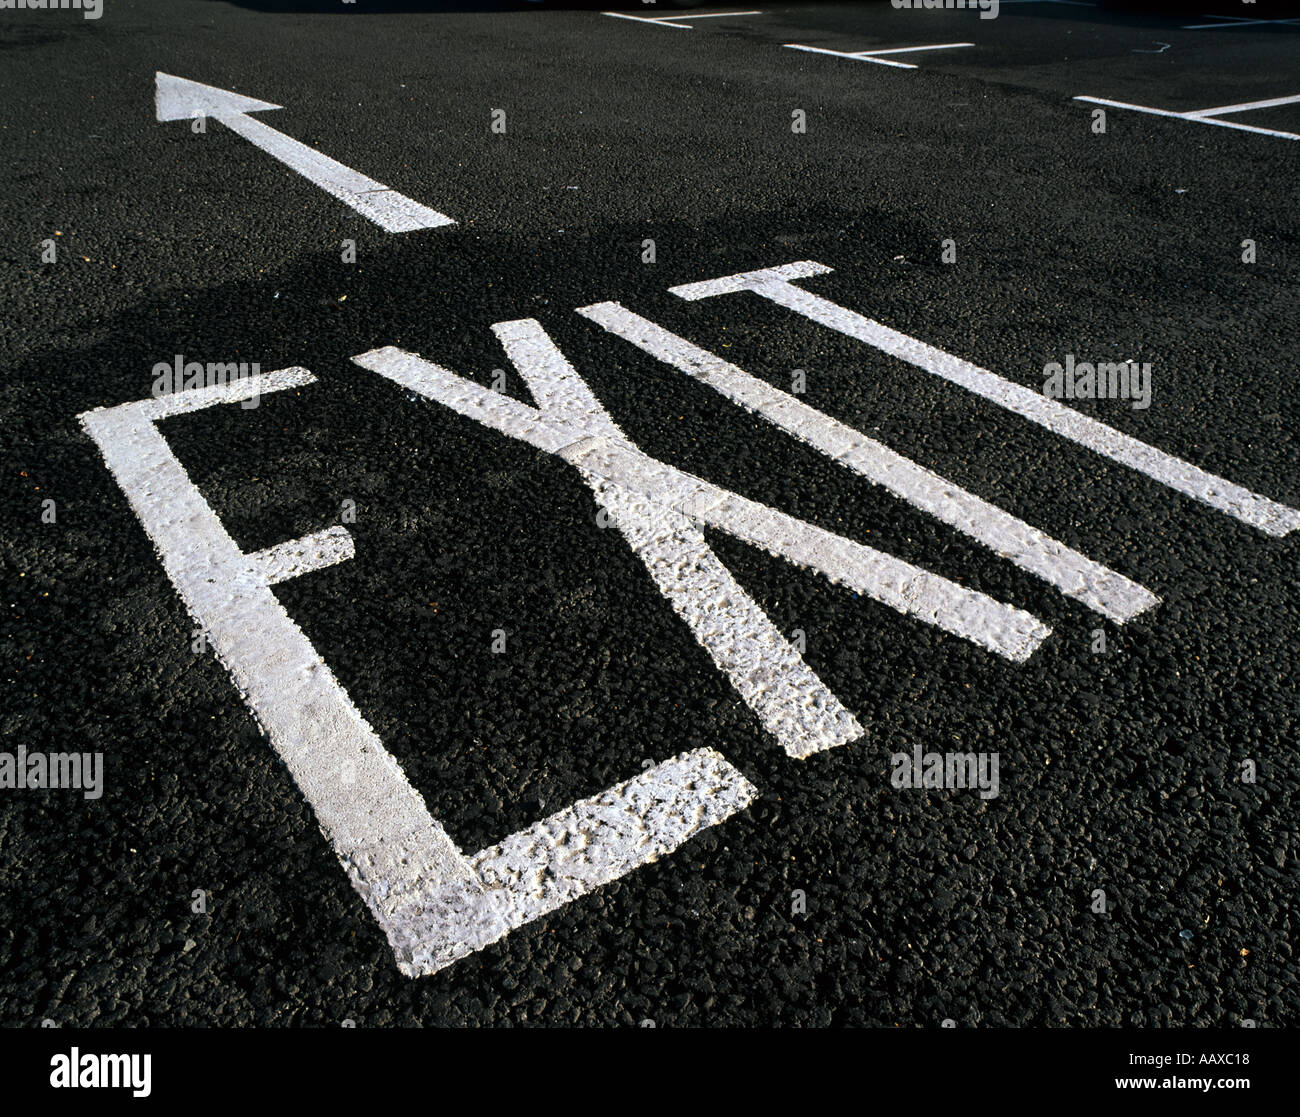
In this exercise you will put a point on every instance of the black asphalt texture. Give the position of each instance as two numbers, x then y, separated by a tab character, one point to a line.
1119	771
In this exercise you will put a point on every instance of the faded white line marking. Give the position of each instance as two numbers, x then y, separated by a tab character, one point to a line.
433	904
1200	116
1246	106
1227	22
674	21
1073	574
1234	500
181	99
874	55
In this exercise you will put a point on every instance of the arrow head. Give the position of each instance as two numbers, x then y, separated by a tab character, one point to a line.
180	99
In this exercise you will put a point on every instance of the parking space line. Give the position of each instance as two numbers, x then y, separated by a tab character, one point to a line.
871	55
1245	107
1074	574
668	21
1226	22
1202	116
775	285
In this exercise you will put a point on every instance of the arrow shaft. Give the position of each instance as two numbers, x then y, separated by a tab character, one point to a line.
394	212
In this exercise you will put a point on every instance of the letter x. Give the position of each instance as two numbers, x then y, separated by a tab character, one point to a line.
660	510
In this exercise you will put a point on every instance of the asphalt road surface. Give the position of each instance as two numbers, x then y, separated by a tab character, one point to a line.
594	691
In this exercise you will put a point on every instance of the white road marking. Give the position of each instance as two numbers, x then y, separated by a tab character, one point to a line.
600	839
793	704
674	21
1247	106
1204	116
180	99
433	904
652	498
1073	574
1234	500
873	55
301	556
786	695
1227	22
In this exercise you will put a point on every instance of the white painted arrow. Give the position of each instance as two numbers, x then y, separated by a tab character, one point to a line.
180	99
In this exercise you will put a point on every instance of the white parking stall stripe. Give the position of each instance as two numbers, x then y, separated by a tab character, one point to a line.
1198	117
673	21
1246	107
1135	108
433	904
872	55
773	283
1073	574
